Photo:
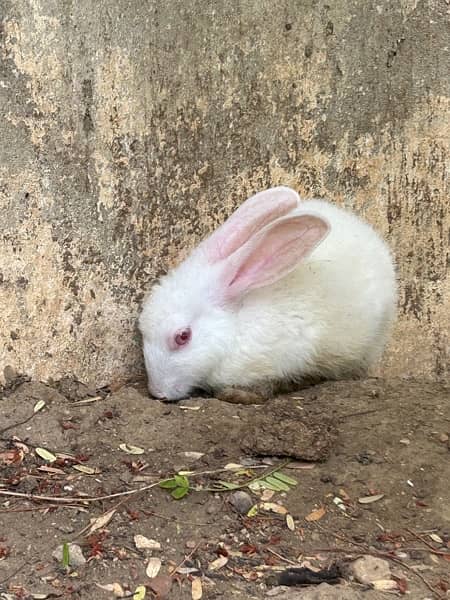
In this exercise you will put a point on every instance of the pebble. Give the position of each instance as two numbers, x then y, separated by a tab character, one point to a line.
241	502
368	569
76	558
443	438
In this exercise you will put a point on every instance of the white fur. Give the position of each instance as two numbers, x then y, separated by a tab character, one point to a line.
328	317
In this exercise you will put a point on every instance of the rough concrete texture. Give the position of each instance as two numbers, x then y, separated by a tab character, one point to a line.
131	129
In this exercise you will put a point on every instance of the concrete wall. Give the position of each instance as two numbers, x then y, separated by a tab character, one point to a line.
131	128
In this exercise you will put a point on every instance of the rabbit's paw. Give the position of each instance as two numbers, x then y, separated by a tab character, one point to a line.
240	396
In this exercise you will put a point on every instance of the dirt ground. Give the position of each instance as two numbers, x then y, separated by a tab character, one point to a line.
371	459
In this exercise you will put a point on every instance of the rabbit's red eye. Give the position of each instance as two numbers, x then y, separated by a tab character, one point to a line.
183	336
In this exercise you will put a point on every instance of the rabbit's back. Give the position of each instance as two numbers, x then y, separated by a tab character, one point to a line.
330	317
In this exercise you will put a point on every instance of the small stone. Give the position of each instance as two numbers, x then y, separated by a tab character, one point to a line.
443	438
212	508
368	569
190	544
405	441
76	558
241	502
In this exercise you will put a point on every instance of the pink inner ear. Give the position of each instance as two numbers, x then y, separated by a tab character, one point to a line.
275	252
254	214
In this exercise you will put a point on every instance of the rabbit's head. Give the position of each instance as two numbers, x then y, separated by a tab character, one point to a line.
190	319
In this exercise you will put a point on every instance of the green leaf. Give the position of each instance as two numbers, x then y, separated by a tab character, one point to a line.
181	481
65	555
253	511
139	592
284	478
169	484
227	485
278	485
179	492
262	484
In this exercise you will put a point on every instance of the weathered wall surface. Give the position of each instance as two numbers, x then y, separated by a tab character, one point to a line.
131	128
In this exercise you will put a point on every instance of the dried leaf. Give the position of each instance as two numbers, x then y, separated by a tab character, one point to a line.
267	495
436	538
160	586
290	522
115	588
315	515
144	543
131	449
218	563
11	457
87	470
39	406
384	585
153	567
186	570
194	455
296	464
196	590
45	454
101	521
370	499
273	507
52	470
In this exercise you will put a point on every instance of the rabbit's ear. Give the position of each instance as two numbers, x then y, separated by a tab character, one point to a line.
252	216
272	253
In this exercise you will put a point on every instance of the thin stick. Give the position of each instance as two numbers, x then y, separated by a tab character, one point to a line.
187	557
18	424
430	546
68	499
385	555
14	573
359	414
290	562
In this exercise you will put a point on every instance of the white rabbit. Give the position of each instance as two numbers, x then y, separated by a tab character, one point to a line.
285	291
